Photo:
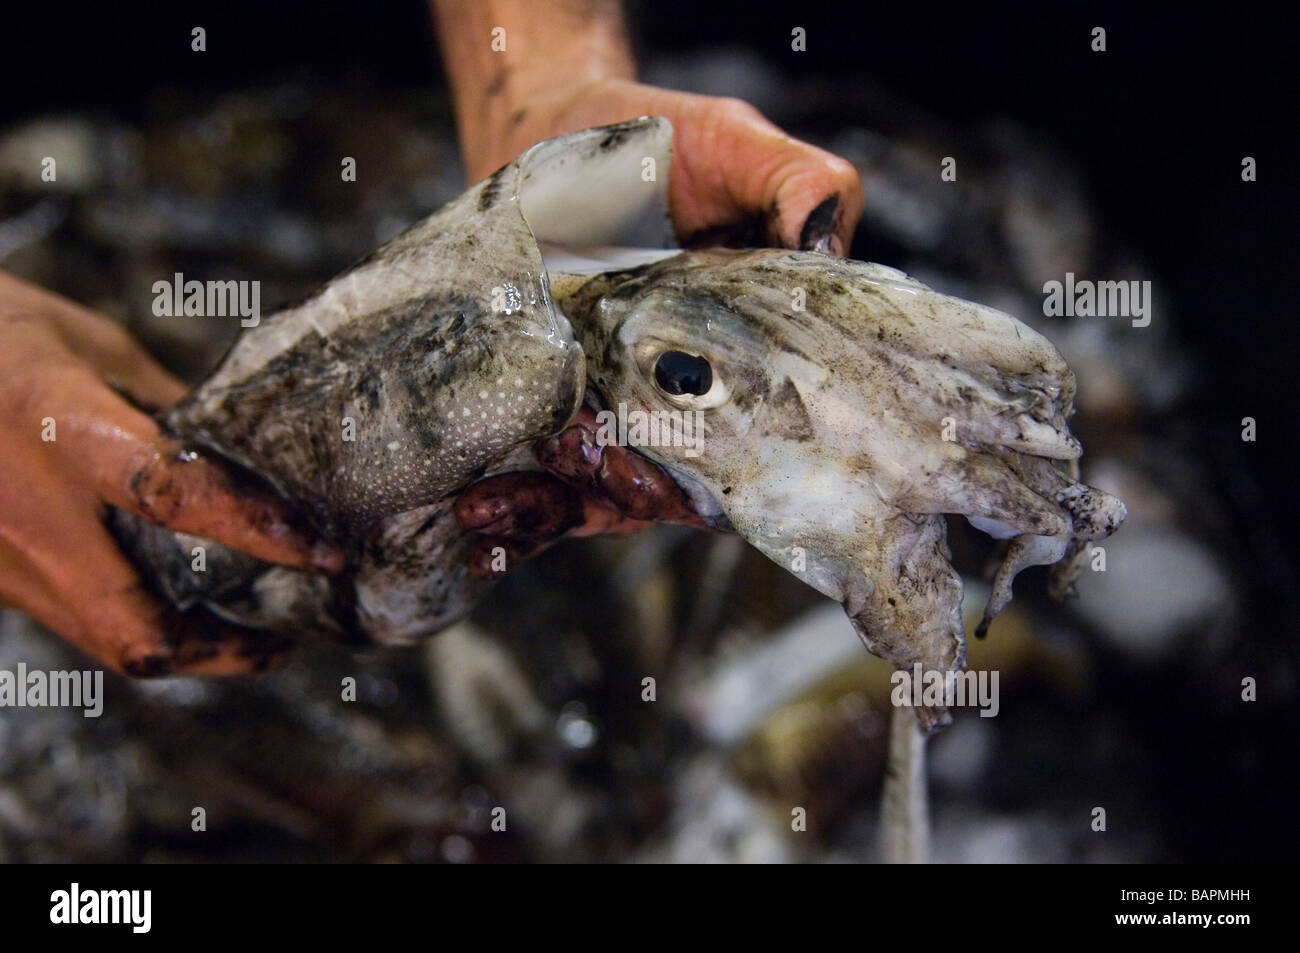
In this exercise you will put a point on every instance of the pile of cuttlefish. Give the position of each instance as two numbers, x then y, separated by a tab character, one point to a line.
846	409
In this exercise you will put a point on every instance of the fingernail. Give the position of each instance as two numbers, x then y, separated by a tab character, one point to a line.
573	453
819	228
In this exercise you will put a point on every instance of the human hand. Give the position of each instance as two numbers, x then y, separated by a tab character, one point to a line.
736	179
74	446
522	72
586	490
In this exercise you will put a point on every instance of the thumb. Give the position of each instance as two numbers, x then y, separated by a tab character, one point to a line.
802	196
818	202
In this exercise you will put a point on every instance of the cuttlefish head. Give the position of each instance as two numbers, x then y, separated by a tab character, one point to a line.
832	412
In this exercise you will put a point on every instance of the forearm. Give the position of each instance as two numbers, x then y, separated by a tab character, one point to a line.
547	46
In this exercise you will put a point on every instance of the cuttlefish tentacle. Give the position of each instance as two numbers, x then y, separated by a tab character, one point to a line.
986	487
1025	551
1092	513
912	612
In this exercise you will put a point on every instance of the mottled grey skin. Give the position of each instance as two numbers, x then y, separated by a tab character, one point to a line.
851	408
838	435
369	405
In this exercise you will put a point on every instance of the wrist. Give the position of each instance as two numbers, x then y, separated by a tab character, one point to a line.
510	60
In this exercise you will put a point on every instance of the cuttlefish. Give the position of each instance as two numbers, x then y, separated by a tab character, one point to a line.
831	412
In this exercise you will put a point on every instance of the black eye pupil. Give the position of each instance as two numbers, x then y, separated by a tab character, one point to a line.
680	373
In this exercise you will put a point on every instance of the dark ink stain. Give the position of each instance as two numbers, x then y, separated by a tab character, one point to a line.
754	230
498	82
370	386
487	198
820	225
617	135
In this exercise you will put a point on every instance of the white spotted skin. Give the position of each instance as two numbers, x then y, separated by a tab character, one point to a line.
439	358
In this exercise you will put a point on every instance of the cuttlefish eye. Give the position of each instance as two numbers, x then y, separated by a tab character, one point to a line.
677	372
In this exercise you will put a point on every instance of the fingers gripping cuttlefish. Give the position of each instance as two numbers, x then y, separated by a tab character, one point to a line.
845	408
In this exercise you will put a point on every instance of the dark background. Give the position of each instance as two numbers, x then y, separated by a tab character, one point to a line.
1158	124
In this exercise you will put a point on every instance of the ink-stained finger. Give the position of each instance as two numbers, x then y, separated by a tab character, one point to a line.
526	503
